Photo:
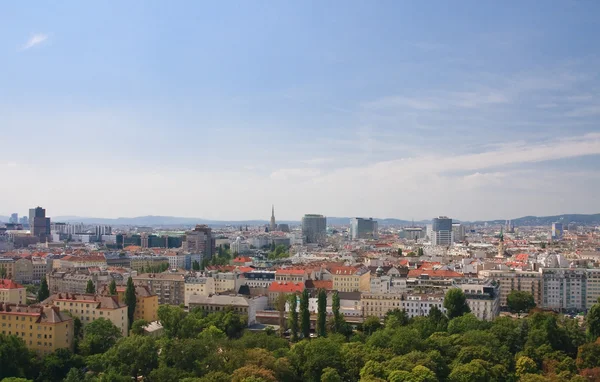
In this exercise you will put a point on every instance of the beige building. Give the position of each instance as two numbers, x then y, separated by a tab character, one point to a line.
24	271
12	293
43	329
291	275
146	303
40	268
70	261
227	282
143	263
89	308
240	304
528	281
378	304
201	286
7	266
351	279
169	287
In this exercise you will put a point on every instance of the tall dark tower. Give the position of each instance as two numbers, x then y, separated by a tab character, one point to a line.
273	225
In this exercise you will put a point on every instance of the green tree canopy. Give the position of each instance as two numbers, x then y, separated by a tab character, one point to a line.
99	336
43	292
90	287
112	288
520	301
455	303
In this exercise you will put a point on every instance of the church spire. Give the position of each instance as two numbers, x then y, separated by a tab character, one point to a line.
273	225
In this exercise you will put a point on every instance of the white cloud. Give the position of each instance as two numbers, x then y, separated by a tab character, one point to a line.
36	39
295	173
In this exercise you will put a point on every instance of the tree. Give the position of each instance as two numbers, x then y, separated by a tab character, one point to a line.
15	358
196	265
305	314
133	356
130	300
371	324
588	356
2	273
137	327
44	292
171	318
525	365
399	251
281	300
99	336
112	288
455	303
293	316
592	320
330	374
322	313
420	252
90	287
520	301
396	317
56	365
74	375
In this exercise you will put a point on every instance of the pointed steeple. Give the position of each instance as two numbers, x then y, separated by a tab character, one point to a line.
273	225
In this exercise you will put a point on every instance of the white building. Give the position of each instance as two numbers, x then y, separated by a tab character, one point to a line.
198	286
483	299
176	260
564	288
239	304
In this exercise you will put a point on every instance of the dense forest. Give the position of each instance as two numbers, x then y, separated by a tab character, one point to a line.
217	347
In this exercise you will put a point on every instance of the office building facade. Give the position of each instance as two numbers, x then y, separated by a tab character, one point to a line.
361	228
314	228
441	231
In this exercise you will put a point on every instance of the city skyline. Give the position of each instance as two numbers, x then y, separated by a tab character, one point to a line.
217	111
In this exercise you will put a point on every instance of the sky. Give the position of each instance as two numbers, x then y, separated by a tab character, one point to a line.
405	109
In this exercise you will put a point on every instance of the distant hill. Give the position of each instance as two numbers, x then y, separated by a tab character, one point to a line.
579	219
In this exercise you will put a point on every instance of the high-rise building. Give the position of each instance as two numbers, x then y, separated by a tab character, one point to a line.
441	231
361	228
14	218
200	240
314	228
39	224
273	225
557	231
24	220
458	230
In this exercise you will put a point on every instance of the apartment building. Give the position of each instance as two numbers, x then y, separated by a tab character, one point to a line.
378	304
12	293
70	261
227	282
143	263
592	287
7	268
170	287
483	299
420	304
278	288
24	271
291	275
43	329
242	305
351	279
146	303
40	268
88	308
202	286
176	260
564	288
509	280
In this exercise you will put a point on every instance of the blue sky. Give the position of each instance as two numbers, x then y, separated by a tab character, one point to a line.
476	110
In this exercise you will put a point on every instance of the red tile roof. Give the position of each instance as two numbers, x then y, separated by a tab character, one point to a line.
342	270
242	259
9	284
286	287
323	284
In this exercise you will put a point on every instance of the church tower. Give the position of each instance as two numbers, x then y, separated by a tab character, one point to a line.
273	225
501	244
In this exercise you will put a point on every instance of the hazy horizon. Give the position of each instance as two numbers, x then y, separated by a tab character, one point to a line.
477	111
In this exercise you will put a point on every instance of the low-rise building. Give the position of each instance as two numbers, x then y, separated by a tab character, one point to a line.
11	292
291	275
40	268
227	282
88	308
202	286
143	263
245	306
43	329
170	287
